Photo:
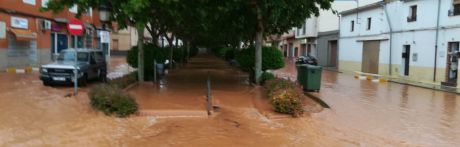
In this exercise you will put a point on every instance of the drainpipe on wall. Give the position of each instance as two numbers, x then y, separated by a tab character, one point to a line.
436	43
391	36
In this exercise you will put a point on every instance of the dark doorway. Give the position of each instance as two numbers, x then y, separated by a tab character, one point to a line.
370	61
452	64
406	59
62	42
285	50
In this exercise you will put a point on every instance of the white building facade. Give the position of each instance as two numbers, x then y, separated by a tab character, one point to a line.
413	40
318	36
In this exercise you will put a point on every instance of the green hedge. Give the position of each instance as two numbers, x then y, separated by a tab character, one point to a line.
230	54
272	58
266	76
151	53
194	51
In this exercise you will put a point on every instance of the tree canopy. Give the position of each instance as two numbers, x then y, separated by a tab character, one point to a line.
208	23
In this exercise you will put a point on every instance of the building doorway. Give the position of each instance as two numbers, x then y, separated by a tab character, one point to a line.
370	61
452	64
115	44
285	50
296	52
333	53
406	60
62	42
303	49
291	50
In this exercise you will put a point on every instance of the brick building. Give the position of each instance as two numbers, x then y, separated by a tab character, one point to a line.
29	37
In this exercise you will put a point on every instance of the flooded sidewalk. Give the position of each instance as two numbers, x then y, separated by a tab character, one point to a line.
185	88
363	112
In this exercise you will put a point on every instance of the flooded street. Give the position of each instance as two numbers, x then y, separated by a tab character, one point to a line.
362	113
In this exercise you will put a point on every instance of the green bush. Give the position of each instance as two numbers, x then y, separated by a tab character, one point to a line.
221	52
266	76
230	54
179	54
111	100
285	96
272	58
194	51
151	53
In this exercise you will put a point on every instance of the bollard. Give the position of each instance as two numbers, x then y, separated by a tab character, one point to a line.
209	97
155	71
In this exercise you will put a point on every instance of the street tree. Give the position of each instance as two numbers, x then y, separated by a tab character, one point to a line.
277	17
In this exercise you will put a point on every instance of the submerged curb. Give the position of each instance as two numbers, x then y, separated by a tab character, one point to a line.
317	99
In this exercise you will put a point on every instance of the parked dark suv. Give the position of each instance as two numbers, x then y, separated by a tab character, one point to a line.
91	64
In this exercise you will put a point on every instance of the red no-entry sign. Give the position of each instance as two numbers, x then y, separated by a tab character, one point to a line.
75	27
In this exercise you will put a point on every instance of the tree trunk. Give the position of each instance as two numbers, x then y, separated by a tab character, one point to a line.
153	34
177	43
259	41
171	52
188	50
140	55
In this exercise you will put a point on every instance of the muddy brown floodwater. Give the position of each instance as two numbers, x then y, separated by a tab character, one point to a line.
363	114
382	114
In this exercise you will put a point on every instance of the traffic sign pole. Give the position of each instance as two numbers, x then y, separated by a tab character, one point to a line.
75	27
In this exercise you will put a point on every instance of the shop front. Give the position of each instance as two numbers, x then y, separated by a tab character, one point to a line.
22	44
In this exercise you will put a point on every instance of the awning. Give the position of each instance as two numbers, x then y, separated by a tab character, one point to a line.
23	35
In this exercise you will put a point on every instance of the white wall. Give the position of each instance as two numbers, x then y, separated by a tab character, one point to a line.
328	21
420	34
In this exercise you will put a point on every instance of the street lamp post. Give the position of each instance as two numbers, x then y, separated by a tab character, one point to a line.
104	17
104	13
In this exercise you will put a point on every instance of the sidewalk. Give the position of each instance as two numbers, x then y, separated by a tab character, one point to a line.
432	86
184	89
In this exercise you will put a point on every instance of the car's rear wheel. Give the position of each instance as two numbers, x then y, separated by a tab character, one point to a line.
46	83
83	81
102	77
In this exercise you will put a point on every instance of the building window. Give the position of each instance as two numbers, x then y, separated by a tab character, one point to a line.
369	23
45	3
352	25
413	14
32	2
457	9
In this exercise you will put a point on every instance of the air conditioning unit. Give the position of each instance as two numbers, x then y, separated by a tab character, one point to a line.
46	25
451	12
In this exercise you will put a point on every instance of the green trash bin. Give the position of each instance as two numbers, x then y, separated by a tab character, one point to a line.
309	76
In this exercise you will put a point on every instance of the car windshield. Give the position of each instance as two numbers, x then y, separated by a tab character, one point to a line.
70	56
